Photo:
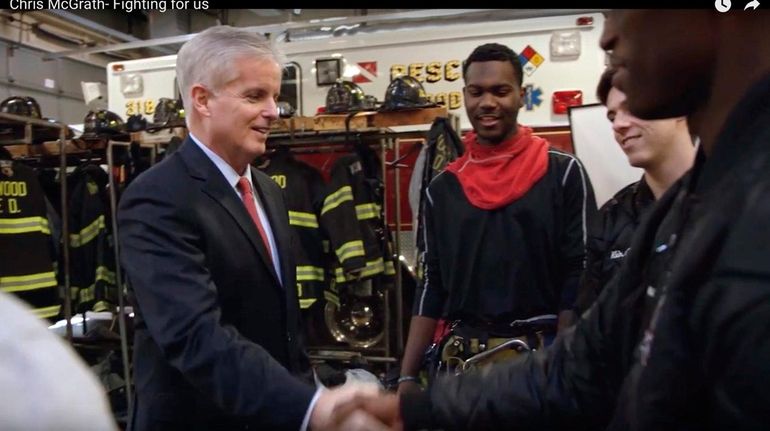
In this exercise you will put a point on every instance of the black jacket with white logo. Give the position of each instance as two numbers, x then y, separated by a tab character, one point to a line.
610	238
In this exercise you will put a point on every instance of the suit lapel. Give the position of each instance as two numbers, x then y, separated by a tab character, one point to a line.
216	186
270	204
279	222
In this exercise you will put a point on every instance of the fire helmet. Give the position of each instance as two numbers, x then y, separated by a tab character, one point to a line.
344	97
405	92
169	113
27	106
24	106
102	122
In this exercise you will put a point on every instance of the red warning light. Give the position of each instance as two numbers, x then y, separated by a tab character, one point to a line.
562	100
585	20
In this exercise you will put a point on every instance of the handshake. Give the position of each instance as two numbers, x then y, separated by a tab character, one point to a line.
356	406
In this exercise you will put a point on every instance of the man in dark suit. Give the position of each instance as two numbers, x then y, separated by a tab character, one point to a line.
206	248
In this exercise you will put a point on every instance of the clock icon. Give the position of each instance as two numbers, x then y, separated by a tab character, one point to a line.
722	5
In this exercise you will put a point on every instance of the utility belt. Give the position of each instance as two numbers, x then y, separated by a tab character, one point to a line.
467	345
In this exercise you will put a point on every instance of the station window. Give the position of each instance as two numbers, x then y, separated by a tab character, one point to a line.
291	86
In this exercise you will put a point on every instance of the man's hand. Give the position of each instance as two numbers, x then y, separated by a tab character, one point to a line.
327	414
383	407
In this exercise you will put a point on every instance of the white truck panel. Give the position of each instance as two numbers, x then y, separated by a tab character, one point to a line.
430	54
158	79
453	43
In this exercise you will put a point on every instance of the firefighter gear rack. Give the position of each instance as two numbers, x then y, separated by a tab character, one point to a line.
306	133
26	147
385	131
17	151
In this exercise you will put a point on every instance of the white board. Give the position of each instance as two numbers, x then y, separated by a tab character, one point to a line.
595	146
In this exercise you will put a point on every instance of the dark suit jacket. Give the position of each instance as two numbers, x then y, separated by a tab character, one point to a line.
216	334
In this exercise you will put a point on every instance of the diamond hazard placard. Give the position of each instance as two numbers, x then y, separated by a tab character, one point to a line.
530	60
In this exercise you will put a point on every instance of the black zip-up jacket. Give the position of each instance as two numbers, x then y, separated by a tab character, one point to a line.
515	262
679	338
610	238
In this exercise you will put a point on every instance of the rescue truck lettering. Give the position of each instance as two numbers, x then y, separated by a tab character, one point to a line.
432	72
452	100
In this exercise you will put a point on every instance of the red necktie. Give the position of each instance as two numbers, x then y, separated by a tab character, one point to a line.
248	200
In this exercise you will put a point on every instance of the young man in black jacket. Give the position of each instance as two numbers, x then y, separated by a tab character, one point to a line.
664	149
678	339
505	224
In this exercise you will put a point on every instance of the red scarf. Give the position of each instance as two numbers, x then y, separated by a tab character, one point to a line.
494	176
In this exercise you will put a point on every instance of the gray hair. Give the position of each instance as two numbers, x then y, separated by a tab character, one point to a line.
208	58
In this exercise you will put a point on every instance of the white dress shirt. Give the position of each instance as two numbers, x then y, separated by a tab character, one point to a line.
232	178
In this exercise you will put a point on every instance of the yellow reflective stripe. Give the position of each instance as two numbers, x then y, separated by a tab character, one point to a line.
330	297
306	303
350	249
339	276
332	201
326	245
310	273
45	312
367	211
372	267
297	218
390	269
102	306
88	294
83	294
24	225
104	274
87	233
21	283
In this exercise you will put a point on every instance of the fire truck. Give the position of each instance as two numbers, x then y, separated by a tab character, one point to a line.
560	56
